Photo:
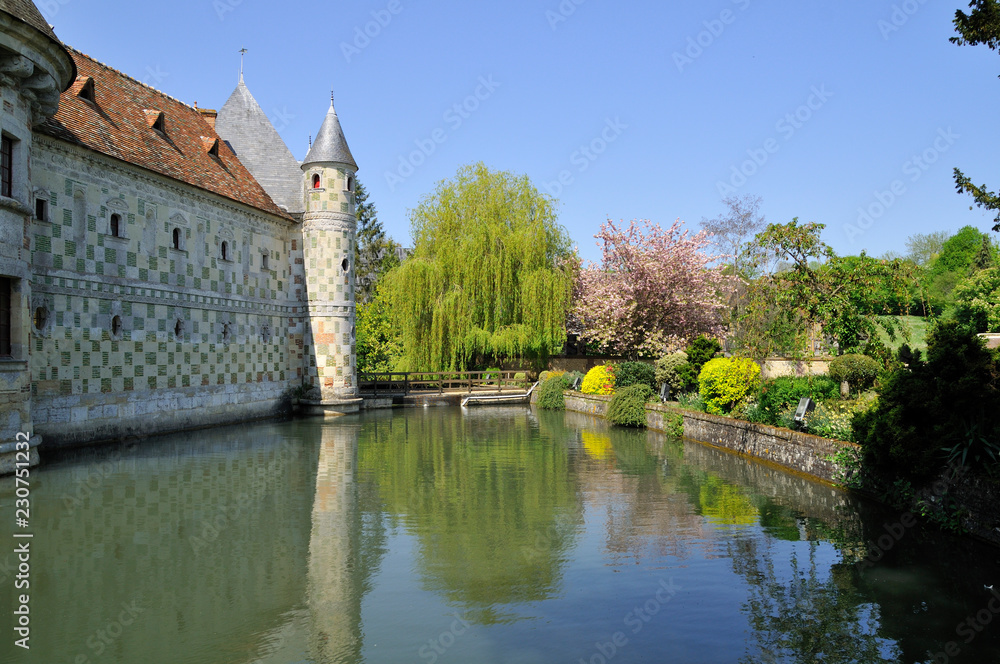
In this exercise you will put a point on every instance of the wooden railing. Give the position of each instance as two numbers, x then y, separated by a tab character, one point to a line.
400	383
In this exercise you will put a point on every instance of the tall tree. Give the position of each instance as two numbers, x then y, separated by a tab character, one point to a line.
850	298
653	290
374	252
732	231
490	277
980	26
923	248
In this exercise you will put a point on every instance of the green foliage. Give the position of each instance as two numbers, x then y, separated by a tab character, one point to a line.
833	419
490	276
374	252
628	405
860	371
927	412
726	382
378	345
667	371
850	298
550	395
571	378
777	395
959	252
691	401
674	425
599	380
635	373
978	300
699	351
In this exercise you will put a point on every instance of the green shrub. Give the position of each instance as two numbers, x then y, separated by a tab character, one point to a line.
635	373
943	409
550	394
571	378
545	375
520	377
628	406
666	371
599	380
833	419
778	394
860	371
699	351
726	382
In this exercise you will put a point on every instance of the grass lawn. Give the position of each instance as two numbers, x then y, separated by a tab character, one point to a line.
917	326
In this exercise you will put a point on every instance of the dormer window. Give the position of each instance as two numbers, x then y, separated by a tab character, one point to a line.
316	181
155	120
87	90
211	145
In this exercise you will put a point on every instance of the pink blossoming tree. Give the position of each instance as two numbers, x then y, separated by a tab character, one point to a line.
653	290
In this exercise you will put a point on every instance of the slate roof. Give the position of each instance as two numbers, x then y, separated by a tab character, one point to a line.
247	129
28	12
330	144
119	124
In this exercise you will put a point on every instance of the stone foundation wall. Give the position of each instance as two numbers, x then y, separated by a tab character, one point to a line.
792	450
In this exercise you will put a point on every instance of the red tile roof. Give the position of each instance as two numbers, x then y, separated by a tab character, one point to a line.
120	124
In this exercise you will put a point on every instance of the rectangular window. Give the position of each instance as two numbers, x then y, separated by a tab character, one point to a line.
6	295
41	209
264	261
6	167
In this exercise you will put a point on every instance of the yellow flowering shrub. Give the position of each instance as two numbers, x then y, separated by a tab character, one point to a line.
599	380
725	383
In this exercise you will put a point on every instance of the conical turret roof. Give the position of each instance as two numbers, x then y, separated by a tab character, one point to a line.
330	144
245	126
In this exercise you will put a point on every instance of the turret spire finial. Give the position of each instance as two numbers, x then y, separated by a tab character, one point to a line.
243	52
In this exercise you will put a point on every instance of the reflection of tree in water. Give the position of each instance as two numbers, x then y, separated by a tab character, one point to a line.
493	507
810	616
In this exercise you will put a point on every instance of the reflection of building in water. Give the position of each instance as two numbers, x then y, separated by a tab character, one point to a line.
335	573
206	551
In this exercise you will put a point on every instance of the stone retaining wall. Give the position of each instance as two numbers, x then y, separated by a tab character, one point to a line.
792	450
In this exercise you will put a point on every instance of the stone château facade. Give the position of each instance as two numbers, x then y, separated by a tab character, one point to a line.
162	267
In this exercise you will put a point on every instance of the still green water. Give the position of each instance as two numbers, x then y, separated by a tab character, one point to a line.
488	535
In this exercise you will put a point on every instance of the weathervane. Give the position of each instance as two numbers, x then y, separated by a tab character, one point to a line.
243	51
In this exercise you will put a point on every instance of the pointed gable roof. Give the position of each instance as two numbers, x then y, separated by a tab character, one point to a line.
330	144
244	125
119	123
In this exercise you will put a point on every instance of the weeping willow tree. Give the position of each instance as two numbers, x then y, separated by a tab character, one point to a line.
490	277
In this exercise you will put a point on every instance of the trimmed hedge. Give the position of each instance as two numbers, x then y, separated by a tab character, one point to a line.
860	371
667	371
628	405
635	373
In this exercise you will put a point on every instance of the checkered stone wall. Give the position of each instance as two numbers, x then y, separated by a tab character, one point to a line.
155	328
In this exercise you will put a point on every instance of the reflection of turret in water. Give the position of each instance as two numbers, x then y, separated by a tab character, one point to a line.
334	584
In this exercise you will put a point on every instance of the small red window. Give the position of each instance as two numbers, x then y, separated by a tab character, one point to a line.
316	182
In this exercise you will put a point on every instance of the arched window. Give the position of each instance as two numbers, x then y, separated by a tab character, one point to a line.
177	238
350	183
179	328
41	318
116	225
316	181
225	251
116	326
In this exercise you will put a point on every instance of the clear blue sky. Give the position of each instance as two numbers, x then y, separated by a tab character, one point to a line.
607	75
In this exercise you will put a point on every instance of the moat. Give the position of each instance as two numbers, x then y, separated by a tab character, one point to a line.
497	534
